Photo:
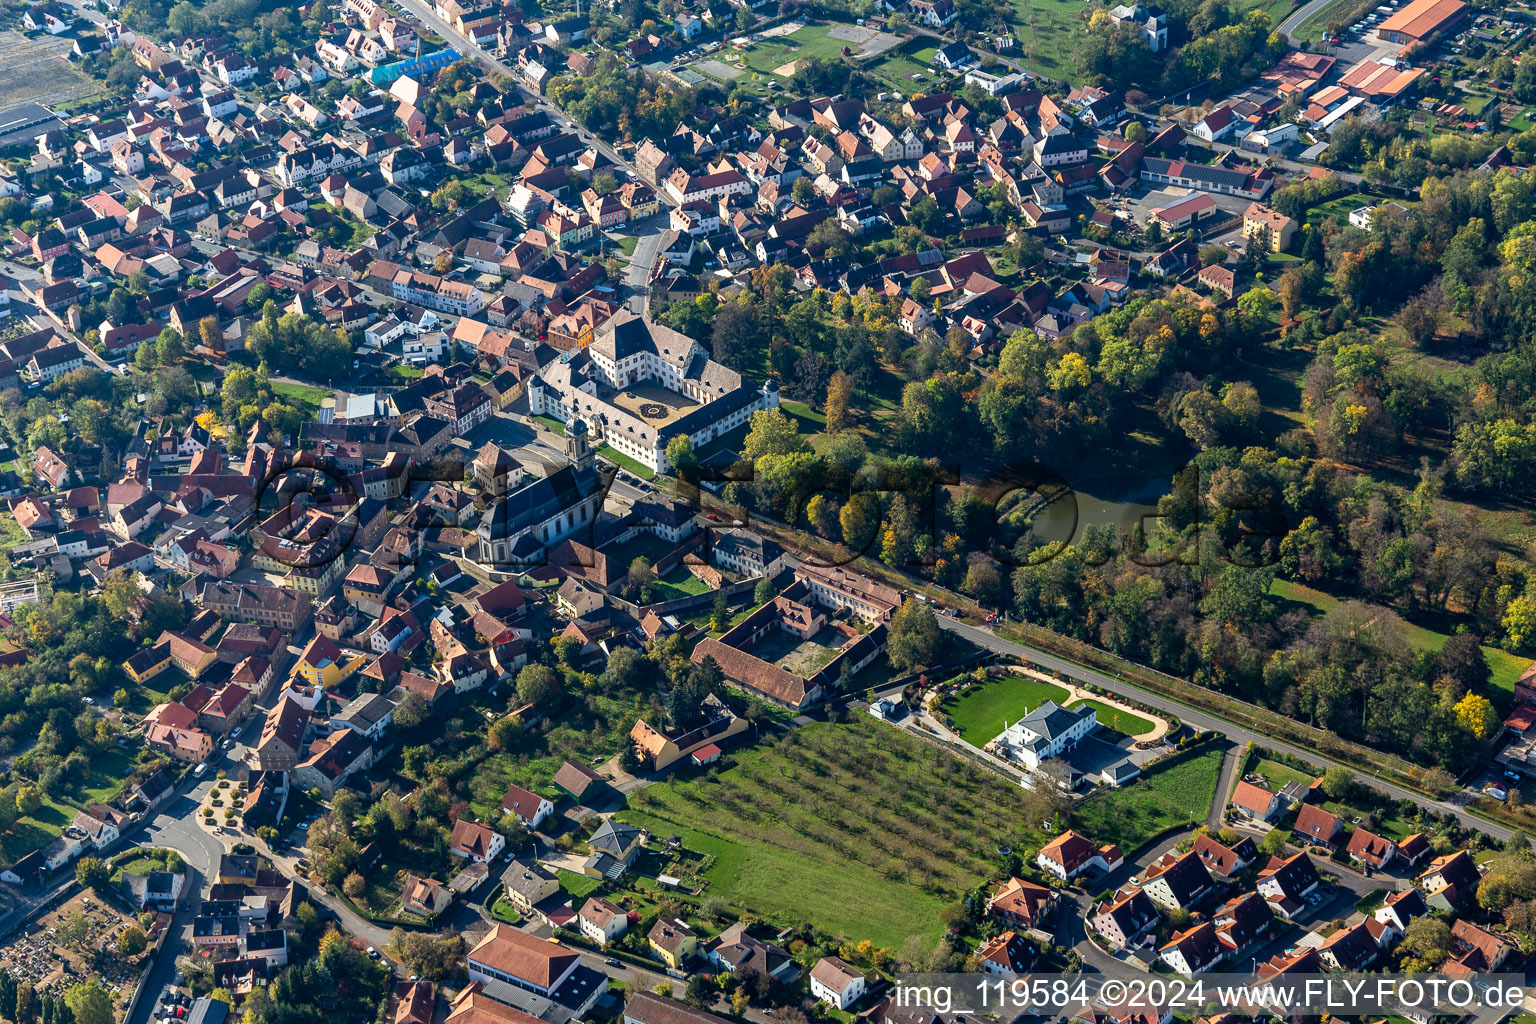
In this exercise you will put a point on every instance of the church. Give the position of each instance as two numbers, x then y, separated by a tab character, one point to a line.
521	526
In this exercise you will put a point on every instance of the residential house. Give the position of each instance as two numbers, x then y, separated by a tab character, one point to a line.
475	842
835	981
1286	882
1255	801
1071	853
1194	950
602	920
1021	903
530	808
1125	918
673	941
1317	826
1178	881
1367	848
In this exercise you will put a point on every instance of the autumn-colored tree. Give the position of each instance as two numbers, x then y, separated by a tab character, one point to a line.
209	334
839	394
1476	714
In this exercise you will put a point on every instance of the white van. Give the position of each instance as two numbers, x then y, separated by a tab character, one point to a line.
199	771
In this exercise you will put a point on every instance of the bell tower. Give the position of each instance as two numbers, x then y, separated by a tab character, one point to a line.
577	446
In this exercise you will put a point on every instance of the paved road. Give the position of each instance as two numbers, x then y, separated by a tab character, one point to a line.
1229	762
1289	26
638	275
1203	720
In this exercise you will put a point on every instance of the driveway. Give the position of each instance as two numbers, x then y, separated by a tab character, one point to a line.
1197	719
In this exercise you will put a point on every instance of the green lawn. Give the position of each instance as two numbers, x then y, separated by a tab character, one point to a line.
503	911
1391	826
859	829
578	885
1163	798
1506	667
300	396
989	708
679	582
35	831
1121	721
108	771
812	41
1338	209
1278	775
141	862
808	420
701	620
642	545
551	424
614	455
896	68
627	243
1312	28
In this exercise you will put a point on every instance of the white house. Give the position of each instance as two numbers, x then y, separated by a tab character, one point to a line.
1218	124
1046	732
602	921
475	842
530	808
1150	21
1071	853
834	981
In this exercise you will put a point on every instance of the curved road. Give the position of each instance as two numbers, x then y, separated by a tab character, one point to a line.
1301	14
1204	720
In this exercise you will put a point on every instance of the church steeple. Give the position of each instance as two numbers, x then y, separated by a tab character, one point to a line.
577	447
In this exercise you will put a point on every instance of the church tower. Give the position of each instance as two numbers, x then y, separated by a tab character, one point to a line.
577	448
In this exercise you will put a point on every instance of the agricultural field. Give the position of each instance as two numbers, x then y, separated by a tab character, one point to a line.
986	710
1179	794
858	828
39	69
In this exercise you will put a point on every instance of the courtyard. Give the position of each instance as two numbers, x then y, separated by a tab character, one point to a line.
653	403
800	657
